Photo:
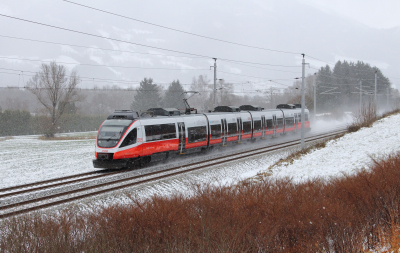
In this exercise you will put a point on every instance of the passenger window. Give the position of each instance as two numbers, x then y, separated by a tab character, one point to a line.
257	126
232	129
196	134
215	132
280	123
160	132
247	127
289	122
269	124
130	138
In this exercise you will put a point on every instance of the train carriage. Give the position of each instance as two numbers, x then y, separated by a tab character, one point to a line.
126	139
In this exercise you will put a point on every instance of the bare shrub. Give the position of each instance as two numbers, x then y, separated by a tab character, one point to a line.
363	117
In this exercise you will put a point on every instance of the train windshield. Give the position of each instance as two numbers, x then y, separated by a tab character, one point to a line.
111	132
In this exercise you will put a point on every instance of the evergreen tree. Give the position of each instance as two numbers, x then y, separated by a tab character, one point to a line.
147	96
340	88
173	96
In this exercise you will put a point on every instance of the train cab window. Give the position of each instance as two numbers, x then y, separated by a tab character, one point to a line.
257	126
232	129
160	132
280	123
215	132
269	124
130	138
196	134
247	127
111	132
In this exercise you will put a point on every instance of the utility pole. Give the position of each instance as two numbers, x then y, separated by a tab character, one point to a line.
315	96
271	97
360	95
215	81
375	91
302	102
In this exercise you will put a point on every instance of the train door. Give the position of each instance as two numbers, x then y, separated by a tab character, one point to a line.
224	131
239	123
182	137
263	126
274	124
296	120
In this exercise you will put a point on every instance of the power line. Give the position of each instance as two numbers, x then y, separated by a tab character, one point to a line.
240	63
90	79
129	89
275	65
181	31
102	37
99	48
97	65
124	51
244	75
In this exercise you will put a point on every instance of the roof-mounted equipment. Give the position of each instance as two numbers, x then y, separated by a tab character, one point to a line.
286	106
124	114
164	112
225	108
250	108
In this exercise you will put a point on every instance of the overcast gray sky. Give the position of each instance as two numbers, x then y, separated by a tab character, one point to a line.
377	14
326	31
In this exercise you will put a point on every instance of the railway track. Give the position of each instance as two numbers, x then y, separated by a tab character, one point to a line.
16	200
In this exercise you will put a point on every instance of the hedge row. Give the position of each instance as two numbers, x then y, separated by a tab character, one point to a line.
23	123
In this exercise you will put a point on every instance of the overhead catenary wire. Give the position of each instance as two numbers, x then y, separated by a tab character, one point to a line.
100	65
153	54
103	37
108	38
131	89
181	31
113	81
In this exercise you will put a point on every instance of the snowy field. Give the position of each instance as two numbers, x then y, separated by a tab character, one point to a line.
27	159
346	155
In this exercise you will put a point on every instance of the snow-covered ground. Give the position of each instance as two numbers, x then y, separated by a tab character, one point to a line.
346	155
26	159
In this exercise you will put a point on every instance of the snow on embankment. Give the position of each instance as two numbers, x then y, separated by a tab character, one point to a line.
347	154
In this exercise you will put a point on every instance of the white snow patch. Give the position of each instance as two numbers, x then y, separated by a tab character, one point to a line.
156	40
346	155
97	59
68	49
140	31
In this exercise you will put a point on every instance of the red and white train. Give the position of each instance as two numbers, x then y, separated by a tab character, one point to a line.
127	139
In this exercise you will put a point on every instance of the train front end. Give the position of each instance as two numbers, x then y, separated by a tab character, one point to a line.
116	134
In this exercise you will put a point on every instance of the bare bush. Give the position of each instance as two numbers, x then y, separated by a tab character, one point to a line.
364	117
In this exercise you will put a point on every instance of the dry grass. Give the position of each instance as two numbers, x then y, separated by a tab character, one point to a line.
6	138
350	214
